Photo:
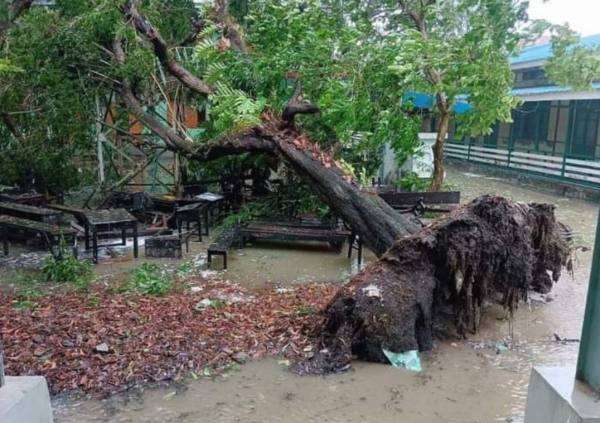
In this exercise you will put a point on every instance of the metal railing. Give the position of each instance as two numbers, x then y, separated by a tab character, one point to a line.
571	170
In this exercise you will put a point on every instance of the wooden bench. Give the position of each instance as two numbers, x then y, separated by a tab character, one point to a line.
300	223
222	245
421	202
285	231
38	214
23	229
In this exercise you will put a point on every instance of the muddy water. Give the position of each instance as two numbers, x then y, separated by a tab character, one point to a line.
474	381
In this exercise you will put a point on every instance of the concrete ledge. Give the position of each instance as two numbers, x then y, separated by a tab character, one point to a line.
25	400
556	397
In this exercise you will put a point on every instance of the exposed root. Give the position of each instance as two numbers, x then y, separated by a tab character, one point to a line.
490	249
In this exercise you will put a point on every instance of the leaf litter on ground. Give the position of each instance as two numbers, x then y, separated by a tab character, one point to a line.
154	340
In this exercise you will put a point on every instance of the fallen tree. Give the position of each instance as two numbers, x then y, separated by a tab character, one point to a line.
490	249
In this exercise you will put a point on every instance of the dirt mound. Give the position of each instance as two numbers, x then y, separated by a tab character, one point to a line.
489	249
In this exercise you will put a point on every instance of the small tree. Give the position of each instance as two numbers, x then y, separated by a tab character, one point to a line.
573	64
459	48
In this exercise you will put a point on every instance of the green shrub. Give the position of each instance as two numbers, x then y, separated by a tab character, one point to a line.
70	270
413	183
150	279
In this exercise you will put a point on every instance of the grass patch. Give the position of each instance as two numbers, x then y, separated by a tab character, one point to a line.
150	279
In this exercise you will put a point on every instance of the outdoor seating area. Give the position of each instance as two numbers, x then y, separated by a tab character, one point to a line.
122	216
44	235
167	224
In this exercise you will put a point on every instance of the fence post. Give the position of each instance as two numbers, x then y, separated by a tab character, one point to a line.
564	165
469	151
588	366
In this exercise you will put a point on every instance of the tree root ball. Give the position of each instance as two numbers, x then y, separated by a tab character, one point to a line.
489	250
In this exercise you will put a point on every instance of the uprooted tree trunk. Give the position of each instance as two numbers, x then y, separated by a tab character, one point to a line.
490	248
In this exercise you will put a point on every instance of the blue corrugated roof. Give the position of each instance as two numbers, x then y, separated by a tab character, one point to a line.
425	101
547	89
544	51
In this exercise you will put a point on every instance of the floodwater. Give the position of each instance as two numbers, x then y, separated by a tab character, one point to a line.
483	379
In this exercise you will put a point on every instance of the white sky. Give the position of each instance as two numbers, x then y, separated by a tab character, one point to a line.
582	15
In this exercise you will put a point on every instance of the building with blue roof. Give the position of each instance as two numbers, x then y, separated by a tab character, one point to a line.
555	132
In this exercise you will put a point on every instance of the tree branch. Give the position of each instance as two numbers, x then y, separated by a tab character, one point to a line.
296	106
161	51
230	28
16	8
230	145
198	25
10	124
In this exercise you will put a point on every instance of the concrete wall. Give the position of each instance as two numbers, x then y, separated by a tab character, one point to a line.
25	400
555	397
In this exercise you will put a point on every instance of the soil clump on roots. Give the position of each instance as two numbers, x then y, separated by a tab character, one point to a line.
489	250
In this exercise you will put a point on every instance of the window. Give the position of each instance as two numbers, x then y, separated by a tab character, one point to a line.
585	128
533	74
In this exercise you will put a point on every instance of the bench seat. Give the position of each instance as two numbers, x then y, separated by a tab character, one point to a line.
18	228
222	245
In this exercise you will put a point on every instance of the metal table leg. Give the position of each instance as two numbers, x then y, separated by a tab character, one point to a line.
135	240
199	223
87	237
95	245
5	239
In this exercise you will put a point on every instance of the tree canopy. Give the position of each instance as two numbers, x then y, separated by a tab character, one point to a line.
352	60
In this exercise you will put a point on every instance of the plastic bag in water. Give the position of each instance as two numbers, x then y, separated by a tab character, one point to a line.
409	360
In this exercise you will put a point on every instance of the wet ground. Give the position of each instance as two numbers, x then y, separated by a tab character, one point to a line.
265	263
480	380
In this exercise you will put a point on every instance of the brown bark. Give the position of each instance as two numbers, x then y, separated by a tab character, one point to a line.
161	50
372	218
438	152
230	29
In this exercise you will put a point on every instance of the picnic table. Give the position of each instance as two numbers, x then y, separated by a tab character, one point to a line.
38	214
24	229
208	204
193	213
78	213
99	222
